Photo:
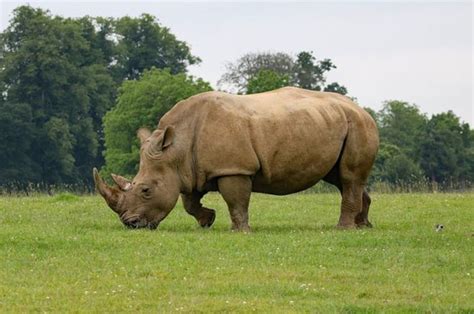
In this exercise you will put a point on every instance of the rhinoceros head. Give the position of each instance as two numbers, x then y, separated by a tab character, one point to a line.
153	193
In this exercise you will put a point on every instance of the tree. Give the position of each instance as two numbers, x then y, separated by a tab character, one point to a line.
305	71
143	43
63	75
266	80
402	124
446	149
414	146
48	64
310	73
142	103
16	136
246	67
394	166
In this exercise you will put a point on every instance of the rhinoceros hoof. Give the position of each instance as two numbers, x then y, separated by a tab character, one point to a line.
208	218
364	224
346	226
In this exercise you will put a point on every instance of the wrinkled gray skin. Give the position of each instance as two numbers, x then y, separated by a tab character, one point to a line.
277	142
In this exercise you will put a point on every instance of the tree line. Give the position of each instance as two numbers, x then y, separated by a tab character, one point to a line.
74	92
58	78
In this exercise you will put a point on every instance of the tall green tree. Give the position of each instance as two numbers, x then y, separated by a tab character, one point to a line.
141	103
414	146
143	43
402	124
446	149
48	64
63	75
16	136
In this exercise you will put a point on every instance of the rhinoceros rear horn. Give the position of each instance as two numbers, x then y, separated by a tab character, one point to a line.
123	183
110	195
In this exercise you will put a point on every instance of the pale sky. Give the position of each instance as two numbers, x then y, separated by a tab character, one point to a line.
420	52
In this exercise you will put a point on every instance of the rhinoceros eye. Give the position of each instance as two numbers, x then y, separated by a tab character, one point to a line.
146	192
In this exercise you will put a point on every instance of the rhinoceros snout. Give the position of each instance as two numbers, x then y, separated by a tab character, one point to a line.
140	223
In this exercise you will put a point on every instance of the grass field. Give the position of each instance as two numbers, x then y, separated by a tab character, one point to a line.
70	253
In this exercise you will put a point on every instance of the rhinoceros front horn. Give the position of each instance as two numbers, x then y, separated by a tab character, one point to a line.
110	195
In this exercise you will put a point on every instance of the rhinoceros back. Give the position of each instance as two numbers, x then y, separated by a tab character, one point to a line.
286	140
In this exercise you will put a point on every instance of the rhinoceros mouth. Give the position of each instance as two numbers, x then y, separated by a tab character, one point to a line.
153	225
136	222
141	225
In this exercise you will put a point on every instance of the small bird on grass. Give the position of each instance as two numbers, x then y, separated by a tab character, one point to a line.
439	227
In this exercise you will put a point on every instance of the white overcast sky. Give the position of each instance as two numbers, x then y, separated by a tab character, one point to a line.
420	52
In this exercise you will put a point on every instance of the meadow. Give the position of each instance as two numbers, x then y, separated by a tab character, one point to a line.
68	253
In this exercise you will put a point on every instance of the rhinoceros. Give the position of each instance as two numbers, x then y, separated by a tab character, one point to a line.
277	142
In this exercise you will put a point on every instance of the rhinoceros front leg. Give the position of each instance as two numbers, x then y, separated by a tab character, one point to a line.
192	203
236	193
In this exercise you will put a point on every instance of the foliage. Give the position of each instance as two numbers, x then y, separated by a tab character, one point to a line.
141	103
145	44
414	147
402	124
47	65
58	78
394	166
294	261
305	71
266	80
446	150
16	136
246	67
309	74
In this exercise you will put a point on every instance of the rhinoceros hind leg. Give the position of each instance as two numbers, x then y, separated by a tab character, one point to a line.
351	205
350	175
362	219
192	203
236	193
350	208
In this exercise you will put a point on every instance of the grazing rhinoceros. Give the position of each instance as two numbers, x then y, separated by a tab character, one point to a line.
278	142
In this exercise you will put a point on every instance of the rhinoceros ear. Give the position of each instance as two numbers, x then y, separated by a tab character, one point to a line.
168	137
159	141
123	183
143	134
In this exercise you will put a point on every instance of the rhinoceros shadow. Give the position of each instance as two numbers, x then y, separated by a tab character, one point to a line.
257	229
292	228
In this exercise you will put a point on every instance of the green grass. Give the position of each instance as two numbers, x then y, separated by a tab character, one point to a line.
69	253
